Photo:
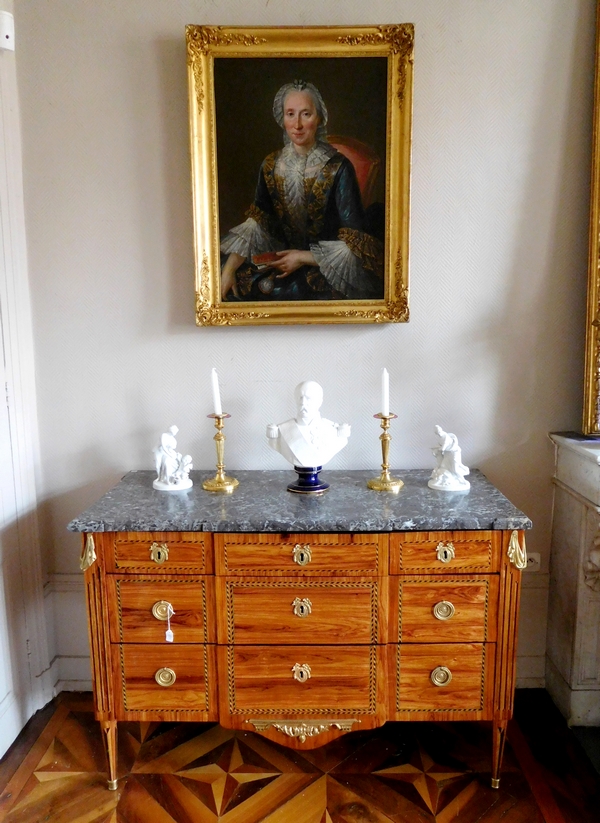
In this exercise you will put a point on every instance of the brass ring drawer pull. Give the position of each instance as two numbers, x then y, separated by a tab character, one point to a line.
159	552
162	610
441	676
302	607
444	610
301	672
445	552
165	677
302	554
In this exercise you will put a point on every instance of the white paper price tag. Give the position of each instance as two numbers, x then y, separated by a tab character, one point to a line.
169	633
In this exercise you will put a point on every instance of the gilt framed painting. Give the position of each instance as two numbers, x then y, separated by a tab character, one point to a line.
300	146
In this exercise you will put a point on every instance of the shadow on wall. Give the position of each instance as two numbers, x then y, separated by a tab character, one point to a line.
546	313
57	511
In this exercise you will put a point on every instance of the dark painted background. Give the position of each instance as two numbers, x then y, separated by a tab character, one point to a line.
354	90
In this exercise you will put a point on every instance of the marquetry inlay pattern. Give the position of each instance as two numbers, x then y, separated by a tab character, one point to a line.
387	633
345	547
480	547
435	710
317	710
175	708
324	585
172	581
449	580
192	772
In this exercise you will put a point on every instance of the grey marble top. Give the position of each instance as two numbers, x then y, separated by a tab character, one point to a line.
261	503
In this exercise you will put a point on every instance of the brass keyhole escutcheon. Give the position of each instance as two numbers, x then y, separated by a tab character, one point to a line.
165	677
301	672
302	554
444	610
441	676
302	607
159	552
162	609
445	552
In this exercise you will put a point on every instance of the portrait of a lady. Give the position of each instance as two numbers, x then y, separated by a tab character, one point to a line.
307	235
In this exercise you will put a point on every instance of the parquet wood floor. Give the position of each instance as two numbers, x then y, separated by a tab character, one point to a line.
202	773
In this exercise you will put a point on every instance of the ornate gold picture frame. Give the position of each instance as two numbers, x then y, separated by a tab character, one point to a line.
300	145
591	397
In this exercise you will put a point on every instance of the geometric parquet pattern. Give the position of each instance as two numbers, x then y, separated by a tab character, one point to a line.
202	773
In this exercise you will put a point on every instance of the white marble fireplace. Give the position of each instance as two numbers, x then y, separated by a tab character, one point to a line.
573	639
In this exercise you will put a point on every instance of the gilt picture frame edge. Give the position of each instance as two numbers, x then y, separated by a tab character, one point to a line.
591	394
204	44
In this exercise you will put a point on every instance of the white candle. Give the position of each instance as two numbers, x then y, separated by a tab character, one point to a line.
385	392
215	392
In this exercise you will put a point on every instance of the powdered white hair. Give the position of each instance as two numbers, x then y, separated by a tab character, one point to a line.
309	88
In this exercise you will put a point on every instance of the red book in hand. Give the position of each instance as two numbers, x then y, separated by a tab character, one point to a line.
261	261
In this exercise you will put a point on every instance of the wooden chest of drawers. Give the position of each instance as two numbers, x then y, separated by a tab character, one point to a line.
303	636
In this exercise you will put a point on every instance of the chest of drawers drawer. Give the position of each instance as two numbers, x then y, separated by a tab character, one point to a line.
296	680
160	552
444	552
165	678
444	609
274	611
444	677
139	606
301	554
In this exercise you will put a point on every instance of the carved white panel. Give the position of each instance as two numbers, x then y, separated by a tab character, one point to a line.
589	649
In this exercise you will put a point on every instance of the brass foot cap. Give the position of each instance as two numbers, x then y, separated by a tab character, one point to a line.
495	782
112	785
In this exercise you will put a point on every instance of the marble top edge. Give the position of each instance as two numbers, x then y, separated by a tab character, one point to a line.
262	503
586	446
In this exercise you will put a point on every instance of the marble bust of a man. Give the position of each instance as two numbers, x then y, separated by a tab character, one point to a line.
308	440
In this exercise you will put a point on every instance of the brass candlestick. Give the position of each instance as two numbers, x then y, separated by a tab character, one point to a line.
220	482
385	483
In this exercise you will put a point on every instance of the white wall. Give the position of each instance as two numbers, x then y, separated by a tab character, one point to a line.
494	347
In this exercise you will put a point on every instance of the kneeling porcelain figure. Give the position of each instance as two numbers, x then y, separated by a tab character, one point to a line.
172	468
308	441
449	474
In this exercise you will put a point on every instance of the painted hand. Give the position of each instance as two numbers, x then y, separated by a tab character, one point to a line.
228	278
292	259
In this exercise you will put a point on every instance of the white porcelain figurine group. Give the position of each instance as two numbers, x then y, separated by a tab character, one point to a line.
309	440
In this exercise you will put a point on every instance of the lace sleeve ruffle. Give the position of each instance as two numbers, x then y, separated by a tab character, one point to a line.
345	268
248	239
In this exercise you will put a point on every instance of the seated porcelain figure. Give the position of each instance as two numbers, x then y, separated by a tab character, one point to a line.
449	474
308	440
172	468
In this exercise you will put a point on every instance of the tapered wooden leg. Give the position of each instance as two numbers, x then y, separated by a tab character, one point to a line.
499	732
109	734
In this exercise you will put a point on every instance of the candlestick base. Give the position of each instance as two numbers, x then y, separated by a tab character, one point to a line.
385	482
220	482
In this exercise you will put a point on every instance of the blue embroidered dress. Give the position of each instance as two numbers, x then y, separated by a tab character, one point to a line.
308	202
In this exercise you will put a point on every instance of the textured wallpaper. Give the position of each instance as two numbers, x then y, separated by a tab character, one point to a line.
500	168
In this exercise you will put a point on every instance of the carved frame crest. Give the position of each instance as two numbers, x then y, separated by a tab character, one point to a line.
206	46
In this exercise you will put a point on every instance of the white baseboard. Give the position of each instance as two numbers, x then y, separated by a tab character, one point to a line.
64	583
69	672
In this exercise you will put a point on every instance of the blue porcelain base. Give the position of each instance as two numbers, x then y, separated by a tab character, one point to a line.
308	481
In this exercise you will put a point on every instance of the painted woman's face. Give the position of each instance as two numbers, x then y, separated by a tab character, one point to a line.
300	119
